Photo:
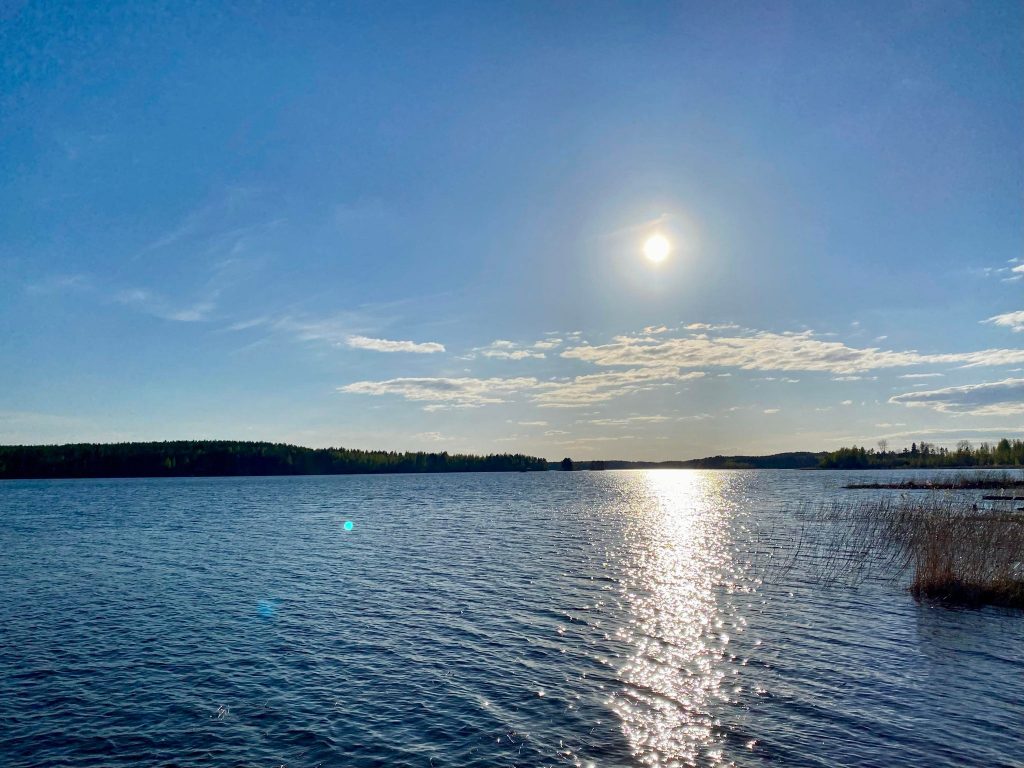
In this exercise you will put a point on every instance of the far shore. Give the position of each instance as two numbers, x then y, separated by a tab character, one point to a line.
227	458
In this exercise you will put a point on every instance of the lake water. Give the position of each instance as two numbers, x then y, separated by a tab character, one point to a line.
606	619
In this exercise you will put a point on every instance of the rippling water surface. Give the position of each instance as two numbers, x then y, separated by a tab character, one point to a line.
606	619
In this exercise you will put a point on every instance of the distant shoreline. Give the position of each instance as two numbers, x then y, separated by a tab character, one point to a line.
226	458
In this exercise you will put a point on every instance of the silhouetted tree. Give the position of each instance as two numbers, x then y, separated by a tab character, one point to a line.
566	464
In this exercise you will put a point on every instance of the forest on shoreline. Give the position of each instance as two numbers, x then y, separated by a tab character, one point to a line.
1005	453
228	458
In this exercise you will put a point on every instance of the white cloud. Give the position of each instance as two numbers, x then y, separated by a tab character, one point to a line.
768	351
772	410
997	398
599	439
940	434
434	437
631	364
546	343
569	393
628	420
1006	274
515	354
343	329
921	375
503	349
709	326
463	391
600	387
1012	320
387	345
334	330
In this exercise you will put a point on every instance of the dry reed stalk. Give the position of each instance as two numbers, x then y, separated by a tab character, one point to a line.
953	552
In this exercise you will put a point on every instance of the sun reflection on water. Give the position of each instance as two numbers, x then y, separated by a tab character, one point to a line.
679	563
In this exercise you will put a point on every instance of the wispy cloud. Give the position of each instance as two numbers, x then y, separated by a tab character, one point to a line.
768	351
601	387
642	226
463	391
153	304
388	345
218	226
709	327
59	284
569	393
341	329
998	398
1012	320
1006	274
644	362
627	421
432	437
940	434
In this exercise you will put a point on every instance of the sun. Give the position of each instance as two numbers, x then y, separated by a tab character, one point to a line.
657	248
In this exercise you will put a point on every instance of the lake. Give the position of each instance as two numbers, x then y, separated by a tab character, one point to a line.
588	618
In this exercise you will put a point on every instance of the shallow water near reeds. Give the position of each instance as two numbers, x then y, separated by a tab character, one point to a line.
589	618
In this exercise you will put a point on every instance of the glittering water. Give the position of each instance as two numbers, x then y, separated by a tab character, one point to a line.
607	619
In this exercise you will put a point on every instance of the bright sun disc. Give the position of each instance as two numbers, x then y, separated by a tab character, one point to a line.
657	248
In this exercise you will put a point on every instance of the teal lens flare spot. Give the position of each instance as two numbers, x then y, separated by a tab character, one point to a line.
349	525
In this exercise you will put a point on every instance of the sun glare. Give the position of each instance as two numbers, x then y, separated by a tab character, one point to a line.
657	248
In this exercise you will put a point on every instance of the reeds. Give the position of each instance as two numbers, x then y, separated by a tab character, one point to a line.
963	556
952	551
957	482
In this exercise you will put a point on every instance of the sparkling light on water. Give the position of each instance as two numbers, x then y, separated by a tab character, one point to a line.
349	525
678	539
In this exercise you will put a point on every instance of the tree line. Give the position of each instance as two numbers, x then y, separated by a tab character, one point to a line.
1005	453
212	458
789	460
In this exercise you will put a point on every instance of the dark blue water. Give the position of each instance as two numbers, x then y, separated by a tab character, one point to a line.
606	619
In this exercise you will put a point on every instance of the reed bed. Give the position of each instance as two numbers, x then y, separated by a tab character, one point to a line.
957	482
951	551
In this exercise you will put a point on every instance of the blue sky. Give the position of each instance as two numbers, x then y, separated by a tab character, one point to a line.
421	225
